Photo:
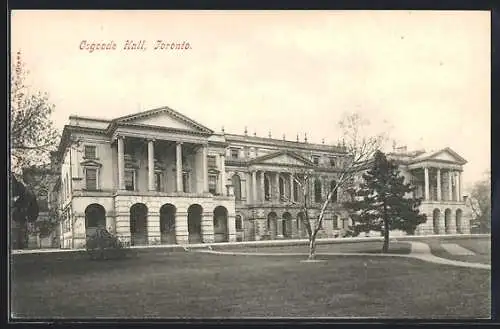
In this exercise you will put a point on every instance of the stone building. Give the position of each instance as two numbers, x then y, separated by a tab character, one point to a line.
158	177
438	178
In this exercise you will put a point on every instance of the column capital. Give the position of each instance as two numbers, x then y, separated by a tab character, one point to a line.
178	142
151	139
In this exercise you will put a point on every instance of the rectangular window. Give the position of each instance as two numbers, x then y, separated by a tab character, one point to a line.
332	162
158	181
315	159
335	222
235	153
212	184
129	180
90	152
91	179
211	162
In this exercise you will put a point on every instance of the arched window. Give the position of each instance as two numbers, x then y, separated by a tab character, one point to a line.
317	191
236	186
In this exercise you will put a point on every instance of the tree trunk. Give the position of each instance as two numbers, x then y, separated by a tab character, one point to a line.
312	247
385	248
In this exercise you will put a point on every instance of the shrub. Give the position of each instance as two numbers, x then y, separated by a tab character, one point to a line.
104	245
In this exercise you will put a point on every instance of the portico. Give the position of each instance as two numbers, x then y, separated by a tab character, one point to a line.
189	167
437	182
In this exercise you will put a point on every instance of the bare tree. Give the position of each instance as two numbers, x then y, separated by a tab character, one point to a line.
359	149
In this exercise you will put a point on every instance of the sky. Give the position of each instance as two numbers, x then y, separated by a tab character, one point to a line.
423	77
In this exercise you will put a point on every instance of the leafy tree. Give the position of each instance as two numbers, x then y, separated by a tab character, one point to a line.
359	149
32	137
480	203
382	202
32	132
24	209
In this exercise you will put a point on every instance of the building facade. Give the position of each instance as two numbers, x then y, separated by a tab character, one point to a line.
438	178
158	177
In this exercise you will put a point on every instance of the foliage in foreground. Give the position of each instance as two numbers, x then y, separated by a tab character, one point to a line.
383	201
480	204
103	245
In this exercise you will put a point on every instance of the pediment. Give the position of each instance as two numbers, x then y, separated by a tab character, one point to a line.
90	163
164	117
444	155
283	158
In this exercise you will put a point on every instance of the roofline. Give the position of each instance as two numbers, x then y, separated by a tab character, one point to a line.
89	118
288	143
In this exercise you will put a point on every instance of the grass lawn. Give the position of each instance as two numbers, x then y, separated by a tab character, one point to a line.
175	284
481	246
354	247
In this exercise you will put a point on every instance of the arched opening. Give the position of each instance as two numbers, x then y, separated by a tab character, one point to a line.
236	186
95	217
301	227
272	224
447	221
221	232
282	188
138	224
333	183
167	224
287	225
458	221
436	214
267	195
317	191
194	223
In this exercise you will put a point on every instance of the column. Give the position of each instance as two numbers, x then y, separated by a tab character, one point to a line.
457	187
277	187
426	173
263	187
254	187
450	186
460	186
223	174
248	187
151	166
291	187
205	168
439	184
121	164
178	166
